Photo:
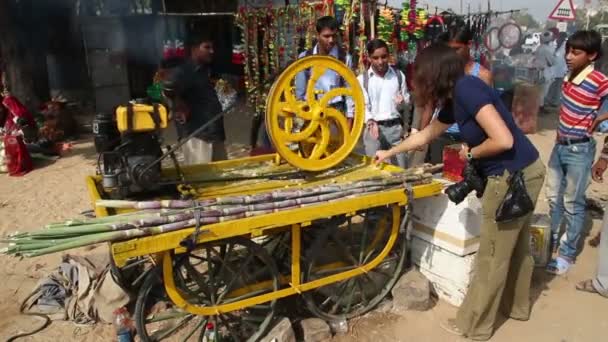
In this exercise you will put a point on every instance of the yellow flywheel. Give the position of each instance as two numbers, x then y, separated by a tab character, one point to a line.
311	133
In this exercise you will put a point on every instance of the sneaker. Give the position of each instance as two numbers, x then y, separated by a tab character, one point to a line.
558	266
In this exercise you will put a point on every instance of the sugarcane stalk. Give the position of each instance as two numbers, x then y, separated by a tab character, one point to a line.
158	217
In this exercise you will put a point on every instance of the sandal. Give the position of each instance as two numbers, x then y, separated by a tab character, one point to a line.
586	286
558	266
450	326
596	240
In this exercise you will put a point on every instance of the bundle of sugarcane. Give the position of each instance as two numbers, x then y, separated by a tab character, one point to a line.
162	216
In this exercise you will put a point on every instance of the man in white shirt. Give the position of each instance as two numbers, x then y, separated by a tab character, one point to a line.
327	45
386	97
544	59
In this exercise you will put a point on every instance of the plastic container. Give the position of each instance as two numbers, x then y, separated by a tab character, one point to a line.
209	333
123	325
142	120
452	164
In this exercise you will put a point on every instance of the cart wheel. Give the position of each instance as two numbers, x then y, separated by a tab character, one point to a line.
345	246
131	276
213	274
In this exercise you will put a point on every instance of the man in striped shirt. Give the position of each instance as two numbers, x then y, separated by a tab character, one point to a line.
568	177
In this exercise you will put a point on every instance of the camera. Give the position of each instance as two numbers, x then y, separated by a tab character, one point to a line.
471	181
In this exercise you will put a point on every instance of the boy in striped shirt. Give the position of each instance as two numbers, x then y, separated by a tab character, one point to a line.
569	172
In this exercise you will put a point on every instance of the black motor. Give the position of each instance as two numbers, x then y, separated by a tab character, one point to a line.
472	181
126	161
106	133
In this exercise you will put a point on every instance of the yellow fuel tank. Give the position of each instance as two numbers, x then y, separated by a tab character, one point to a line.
138	118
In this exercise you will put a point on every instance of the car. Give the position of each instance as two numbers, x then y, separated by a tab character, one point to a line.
531	42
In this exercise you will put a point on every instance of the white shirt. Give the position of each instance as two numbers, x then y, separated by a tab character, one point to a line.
560	69
544	59
380	95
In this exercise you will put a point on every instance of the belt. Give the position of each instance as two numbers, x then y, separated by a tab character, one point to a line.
390	122
568	142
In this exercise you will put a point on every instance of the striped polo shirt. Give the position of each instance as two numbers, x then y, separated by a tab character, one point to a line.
581	98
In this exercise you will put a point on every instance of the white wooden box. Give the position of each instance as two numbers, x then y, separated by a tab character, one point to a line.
449	273
447	225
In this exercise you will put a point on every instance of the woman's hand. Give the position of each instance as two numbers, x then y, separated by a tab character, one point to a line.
382	155
464	150
597	172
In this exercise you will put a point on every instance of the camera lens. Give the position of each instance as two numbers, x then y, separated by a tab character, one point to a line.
458	192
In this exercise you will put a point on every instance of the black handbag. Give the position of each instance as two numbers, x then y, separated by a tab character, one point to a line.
517	203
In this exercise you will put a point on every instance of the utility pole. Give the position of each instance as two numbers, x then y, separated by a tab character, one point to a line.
461	7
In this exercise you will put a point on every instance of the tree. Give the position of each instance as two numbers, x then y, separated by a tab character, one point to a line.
22	56
525	19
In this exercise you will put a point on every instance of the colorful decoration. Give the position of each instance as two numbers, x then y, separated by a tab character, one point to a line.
270	39
386	25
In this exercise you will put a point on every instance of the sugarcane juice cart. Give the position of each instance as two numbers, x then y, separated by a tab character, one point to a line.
314	220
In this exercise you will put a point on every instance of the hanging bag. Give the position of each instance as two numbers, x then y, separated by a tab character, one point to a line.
517	202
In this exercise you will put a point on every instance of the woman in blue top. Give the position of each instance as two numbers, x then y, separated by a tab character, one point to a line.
459	38
497	148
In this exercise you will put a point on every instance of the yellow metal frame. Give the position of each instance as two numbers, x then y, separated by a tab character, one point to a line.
295	286
168	244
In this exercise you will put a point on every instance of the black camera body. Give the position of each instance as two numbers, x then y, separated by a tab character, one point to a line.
472	181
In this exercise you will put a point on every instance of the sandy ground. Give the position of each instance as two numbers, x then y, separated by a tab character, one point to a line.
57	191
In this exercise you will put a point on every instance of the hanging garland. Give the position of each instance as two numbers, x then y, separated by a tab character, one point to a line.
386	25
270	39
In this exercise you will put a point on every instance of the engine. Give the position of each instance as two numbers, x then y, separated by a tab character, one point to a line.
129	144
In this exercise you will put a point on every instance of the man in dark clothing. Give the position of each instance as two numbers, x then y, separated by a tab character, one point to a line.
196	103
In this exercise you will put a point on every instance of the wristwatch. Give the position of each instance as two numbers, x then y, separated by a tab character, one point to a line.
469	156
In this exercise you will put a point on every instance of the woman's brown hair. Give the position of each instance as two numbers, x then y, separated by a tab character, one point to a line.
436	70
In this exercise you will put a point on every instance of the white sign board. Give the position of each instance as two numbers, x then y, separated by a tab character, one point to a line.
562	26
563	11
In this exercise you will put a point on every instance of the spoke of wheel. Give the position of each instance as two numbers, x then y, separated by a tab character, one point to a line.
288	124
290	99
200	324
239	273
333	94
345	250
351	294
340	298
320	148
285	109
315	73
223	261
350	229
298	136
340	121
202	285
210	271
164	333
363	295
362	245
335	295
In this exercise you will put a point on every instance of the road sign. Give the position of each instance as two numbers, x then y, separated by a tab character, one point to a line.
563	11
562	26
